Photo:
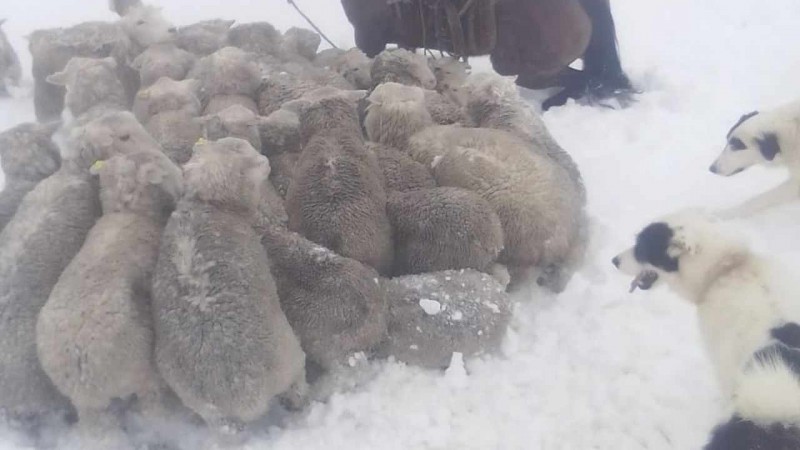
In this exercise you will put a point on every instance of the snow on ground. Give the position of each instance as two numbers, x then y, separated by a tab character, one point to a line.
596	367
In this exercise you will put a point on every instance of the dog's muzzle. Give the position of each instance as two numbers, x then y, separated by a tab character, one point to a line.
644	281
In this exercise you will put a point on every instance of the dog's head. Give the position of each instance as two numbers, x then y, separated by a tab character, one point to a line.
750	142
682	249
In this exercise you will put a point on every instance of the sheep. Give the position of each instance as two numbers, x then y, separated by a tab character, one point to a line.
301	42
326	111
95	334
336	199
433	315
51	49
328	57
167	95
400	172
283	167
443	228
493	101
111	133
163	60
91	84
540	206
10	69
28	155
402	66
443	110
222	342
394	113
36	246
204	38
356	68
227	72
335	304
305	70
234	121
451	75
280	88
260	38
280	133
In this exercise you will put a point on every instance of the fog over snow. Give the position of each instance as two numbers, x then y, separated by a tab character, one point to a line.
595	367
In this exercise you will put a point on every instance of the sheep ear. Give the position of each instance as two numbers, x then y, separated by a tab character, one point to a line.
58	78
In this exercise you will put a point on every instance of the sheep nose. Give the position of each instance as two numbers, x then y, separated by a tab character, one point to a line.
615	261
713	169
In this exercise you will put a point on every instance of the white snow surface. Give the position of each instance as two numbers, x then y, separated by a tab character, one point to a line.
595	367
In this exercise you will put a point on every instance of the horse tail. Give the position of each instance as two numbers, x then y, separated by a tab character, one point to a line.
601	60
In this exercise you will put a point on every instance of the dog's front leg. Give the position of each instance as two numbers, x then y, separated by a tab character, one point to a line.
783	193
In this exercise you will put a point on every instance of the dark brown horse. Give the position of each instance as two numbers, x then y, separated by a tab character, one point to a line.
536	40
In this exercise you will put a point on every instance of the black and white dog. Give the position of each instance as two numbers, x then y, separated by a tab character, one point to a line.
749	316
770	138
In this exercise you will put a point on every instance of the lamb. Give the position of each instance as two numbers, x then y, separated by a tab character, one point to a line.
433	315
51	49
280	133
301	42
493	101
222	342
394	113
402	66
28	155
204	38
95	334
91	85
36	246
10	69
235	121
163	60
441	229
170	109
539	204
400	172
336	196
334	304
227	72
356	68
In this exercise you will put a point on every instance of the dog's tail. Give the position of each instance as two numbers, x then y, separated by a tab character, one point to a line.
742	434
601	62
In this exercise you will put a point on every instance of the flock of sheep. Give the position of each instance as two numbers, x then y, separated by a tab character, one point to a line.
230	214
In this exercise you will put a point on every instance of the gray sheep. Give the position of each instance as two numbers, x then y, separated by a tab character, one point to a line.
235	121
280	133
176	132
395	112
539	204
28	155
227	72
167	95
301	42
91	84
443	110
44	235
443	228
433	315
95	333
280	88
260	38
10	69
336	305
336	196
451	75
400	172
222	342
493	101
163	60
404	67
204	38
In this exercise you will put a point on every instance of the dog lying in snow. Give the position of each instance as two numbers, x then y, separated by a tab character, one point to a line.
749	316
771	138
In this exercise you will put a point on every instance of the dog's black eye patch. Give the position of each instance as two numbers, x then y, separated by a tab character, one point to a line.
788	334
768	145
736	144
652	244
741	121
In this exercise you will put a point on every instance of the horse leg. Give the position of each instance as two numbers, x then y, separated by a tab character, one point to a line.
601	62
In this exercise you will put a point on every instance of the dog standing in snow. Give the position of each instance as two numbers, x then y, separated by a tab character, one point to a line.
771	138
749	317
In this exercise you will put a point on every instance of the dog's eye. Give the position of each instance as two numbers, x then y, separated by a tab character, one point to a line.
736	144
125	137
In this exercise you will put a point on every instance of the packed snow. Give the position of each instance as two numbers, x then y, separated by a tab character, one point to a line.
595	367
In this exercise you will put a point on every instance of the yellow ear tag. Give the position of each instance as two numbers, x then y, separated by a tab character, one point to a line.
98	165
201	141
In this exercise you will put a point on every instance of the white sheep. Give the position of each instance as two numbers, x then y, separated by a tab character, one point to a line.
222	342
404	67
235	121
92	86
227	72
394	113
10	69
163	60
95	333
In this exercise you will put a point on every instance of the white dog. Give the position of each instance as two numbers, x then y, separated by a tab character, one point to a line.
770	138
749	318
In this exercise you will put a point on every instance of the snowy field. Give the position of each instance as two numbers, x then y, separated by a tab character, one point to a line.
595	367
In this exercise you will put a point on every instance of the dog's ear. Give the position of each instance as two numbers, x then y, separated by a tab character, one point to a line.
682	243
769	146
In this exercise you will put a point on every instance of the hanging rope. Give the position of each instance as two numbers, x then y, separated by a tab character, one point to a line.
291	2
